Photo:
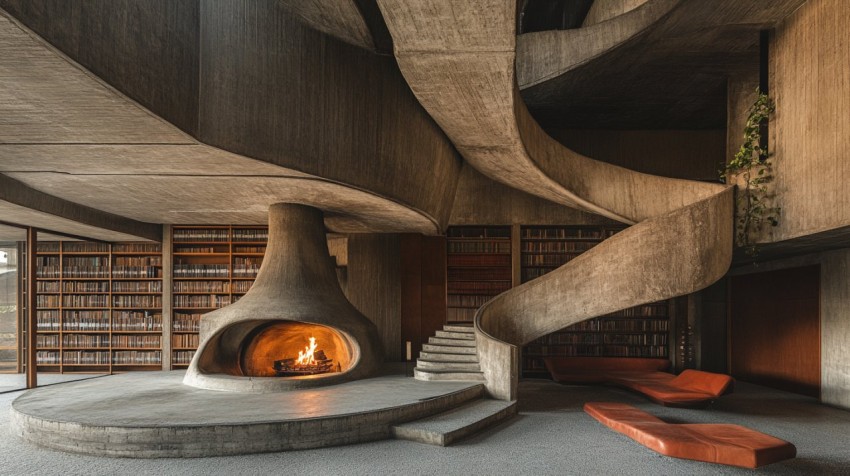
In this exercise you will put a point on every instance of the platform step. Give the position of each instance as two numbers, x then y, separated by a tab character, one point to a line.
456	335
446	365
433	374
452	342
447	427
449	349
447	357
464	329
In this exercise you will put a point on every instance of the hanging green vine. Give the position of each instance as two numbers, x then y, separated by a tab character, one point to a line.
751	169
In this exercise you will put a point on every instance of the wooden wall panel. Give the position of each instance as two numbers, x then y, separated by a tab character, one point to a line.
423	289
410	250
775	329
147	49
374	285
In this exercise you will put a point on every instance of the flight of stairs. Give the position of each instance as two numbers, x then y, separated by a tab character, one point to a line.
450	355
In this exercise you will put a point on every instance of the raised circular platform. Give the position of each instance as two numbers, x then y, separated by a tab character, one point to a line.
154	414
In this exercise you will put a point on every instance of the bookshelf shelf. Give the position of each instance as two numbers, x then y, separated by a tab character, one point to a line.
478	267
213	267
642	331
87	294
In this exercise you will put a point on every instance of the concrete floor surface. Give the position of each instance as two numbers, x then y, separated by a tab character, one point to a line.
551	435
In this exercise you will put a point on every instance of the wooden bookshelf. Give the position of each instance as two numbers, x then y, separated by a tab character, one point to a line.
478	267
99	306
643	331
213	266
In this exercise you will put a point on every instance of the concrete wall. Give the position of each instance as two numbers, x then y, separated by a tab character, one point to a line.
810	134
835	328
482	201
688	154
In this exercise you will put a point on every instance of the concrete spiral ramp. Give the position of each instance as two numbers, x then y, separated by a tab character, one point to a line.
459	60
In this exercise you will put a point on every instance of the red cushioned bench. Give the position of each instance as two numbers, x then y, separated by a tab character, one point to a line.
691	388
714	443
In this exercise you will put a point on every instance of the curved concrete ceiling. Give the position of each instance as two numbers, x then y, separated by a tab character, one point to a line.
673	75
77	138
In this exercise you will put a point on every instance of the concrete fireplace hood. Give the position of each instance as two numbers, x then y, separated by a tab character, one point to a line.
296	288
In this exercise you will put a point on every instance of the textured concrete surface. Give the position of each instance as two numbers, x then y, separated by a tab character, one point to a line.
155	415
80	139
297	281
551	436
458	423
462	68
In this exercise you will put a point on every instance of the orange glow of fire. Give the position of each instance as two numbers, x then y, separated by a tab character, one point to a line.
305	357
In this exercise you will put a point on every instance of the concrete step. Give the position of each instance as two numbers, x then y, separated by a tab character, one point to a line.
445	357
464	329
444	365
433	374
449	349
456	335
452	342
446	428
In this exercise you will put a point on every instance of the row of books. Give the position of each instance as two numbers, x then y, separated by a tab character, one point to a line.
183	341
201	300
137	261
137	286
83	300
85	340
201	234
602	350
144	300
137	357
186	322
202	286
74	271
607	324
136	321
566	233
599	338
200	249
250	234
149	341
129	272
479	247
85	247
136	248
556	246
84	357
182	357
201	271
81	286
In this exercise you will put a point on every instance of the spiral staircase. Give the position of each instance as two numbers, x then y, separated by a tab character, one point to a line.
460	62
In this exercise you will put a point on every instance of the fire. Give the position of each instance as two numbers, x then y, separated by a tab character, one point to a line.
305	357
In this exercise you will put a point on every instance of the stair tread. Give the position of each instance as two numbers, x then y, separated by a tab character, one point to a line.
446	427
449	328
448	371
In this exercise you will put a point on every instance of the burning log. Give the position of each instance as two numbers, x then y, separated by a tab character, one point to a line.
309	362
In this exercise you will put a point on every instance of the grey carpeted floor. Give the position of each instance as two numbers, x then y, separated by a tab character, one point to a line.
551	435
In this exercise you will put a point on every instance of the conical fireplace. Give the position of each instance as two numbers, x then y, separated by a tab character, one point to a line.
294	328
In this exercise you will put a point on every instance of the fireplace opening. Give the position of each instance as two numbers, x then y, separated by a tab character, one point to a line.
294	349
